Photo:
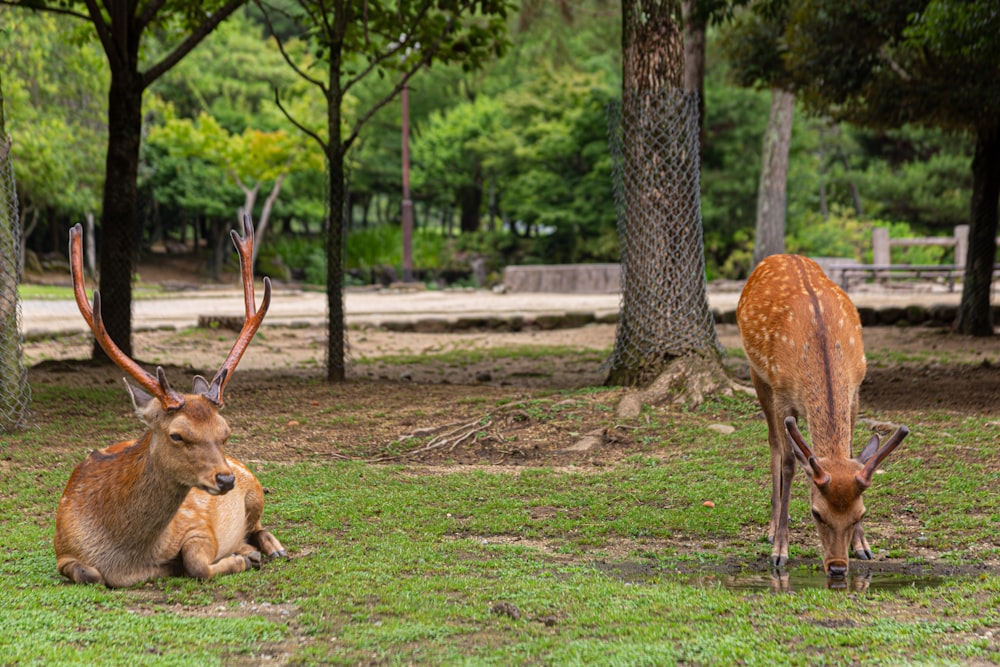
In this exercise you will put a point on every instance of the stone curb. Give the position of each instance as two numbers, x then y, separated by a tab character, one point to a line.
939	315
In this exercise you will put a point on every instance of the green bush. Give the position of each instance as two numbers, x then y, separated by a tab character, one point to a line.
841	234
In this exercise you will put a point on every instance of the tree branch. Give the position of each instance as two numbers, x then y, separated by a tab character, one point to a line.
893	65
192	40
104	34
149	13
392	52
284	54
46	8
425	59
302	128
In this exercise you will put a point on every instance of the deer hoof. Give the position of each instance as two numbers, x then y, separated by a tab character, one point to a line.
253	560
779	561
864	554
280	553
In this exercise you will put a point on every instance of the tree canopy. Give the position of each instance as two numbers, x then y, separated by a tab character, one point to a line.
517	147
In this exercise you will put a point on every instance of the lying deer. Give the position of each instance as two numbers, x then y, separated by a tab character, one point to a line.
802	337
170	502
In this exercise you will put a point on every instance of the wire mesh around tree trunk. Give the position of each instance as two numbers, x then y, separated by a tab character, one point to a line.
655	174
15	394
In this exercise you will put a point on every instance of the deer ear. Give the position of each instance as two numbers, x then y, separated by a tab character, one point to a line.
143	402
200	385
869	450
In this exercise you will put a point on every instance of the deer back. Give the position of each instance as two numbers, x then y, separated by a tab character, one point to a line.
802	336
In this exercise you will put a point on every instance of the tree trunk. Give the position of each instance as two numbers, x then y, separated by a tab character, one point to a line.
975	317
665	312
694	63
771	192
470	201
118	219
265	215
335	363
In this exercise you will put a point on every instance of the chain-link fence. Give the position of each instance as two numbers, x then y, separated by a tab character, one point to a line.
15	394
656	171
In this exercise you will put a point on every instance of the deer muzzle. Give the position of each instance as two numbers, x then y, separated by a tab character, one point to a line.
836	570
225	482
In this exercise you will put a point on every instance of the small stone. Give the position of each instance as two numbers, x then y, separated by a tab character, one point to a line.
508	609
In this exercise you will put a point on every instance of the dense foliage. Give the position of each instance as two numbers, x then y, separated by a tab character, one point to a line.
519	147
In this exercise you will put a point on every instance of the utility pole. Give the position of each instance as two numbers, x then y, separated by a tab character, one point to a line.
407	214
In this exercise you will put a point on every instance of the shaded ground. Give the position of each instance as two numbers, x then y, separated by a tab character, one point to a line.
427	385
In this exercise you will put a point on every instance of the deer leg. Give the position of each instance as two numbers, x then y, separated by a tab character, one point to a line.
267	543
256	535
198	554
78	572
786	464
860	544
782	468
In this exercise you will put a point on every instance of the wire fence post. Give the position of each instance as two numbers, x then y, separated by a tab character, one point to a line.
15	393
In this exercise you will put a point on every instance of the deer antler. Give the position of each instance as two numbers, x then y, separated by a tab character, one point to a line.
820	476
865	476
156	385
254	317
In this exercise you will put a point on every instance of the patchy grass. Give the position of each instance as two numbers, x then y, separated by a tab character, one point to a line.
468	356
609	557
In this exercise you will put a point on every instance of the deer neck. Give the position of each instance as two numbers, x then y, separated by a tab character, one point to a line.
143	501
830	429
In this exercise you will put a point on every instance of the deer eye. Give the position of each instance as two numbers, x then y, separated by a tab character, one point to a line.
177	437
817	516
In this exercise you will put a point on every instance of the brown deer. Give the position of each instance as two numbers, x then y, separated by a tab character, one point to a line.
170	502
802	337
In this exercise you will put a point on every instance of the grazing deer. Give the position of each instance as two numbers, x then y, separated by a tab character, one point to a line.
170	502
802	337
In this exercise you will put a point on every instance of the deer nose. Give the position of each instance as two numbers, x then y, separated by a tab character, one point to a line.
837	571
225	482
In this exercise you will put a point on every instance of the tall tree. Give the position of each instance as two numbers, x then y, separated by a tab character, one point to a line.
926	62
698	14
357	38
123	27
55	94
665	328
754	45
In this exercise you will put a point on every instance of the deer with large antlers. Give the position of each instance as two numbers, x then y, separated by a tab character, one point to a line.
802	337
170	502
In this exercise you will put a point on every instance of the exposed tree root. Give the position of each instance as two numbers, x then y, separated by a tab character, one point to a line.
686	380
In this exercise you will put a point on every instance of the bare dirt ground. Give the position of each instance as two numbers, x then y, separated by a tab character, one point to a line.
391	392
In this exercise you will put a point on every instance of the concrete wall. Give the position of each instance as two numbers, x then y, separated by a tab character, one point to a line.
564	278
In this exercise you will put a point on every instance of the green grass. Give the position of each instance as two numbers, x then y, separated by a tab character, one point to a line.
64	292
465	357
399	565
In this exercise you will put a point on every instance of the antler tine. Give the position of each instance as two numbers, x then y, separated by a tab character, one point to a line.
820	476
156	385
254	316
865	476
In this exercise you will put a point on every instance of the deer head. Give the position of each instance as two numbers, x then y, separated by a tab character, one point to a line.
835	490
186	432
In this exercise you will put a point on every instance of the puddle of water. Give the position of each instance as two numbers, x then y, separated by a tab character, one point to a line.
785	582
